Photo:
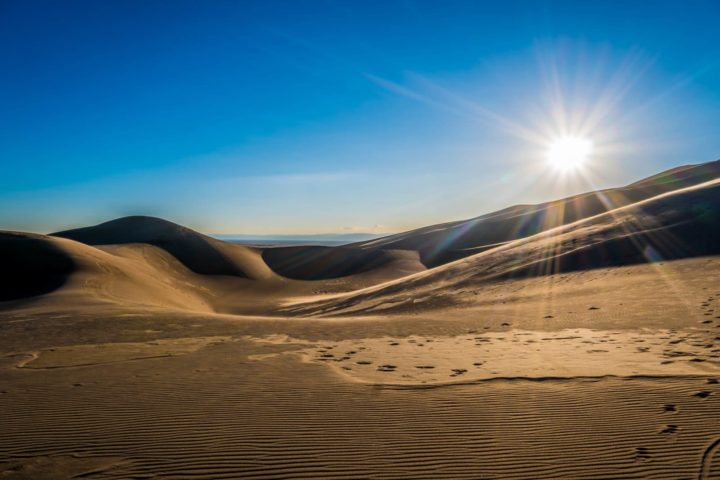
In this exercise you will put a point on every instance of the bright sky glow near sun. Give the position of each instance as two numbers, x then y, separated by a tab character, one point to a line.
272	117
569	153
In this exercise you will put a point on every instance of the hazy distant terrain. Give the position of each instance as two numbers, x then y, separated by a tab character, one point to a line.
327	240
578	338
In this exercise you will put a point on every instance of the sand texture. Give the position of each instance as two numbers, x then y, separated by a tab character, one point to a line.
577	339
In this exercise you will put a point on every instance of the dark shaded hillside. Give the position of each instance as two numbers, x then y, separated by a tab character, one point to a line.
319	263
440	244
31	266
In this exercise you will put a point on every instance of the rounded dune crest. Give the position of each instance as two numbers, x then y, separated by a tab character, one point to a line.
198	252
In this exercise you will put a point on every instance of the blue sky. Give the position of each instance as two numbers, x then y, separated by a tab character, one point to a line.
293	117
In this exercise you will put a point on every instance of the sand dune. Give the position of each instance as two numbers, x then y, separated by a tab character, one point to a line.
79	275
31	266
679	224
440	244
318	263
142	349
142	262
198	252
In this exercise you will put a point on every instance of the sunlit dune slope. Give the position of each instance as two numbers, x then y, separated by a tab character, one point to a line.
680	224
440	244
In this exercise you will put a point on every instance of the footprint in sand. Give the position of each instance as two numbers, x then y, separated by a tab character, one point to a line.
669	407
386	368
669	429
642	454
424	367
702	394
364	362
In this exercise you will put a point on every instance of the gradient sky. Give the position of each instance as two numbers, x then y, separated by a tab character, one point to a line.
274	117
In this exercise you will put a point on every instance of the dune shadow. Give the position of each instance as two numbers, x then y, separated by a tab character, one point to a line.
31	267
320	263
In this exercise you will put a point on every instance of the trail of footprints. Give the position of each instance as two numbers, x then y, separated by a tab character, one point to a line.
695	346
644	454
703	341
692	346
669	429
327	353
701	345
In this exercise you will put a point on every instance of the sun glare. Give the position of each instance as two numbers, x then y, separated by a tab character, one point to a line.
569	153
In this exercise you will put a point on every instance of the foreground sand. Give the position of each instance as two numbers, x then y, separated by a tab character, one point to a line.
614	376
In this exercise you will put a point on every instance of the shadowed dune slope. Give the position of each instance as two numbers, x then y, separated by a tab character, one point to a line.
31	266
60	271
200	253
680	224
440	244
320	263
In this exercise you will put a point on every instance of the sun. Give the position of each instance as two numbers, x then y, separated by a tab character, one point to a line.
569	153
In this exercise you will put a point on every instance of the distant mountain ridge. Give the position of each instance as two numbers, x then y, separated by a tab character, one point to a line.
309	239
